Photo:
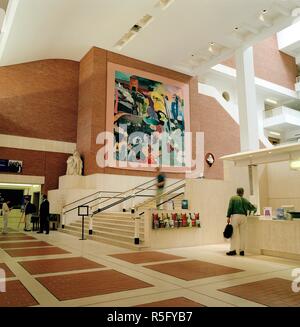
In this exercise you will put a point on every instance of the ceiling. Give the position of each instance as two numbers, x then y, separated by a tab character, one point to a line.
177	37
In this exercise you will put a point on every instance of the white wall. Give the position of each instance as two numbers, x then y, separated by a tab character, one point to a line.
289	36
211	197
284	185
73	188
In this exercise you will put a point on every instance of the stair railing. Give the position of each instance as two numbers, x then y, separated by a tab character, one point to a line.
102	198
138	210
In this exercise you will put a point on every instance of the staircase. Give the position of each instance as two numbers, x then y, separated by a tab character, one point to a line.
118	228
114	228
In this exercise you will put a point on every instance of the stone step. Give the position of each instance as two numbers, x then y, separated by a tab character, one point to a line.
115	221
114	229
109	241
114	225
112	215
114	236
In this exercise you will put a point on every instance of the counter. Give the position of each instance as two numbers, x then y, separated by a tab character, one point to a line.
280	238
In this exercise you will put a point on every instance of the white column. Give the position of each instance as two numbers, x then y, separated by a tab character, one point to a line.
247	100
248	114
254	187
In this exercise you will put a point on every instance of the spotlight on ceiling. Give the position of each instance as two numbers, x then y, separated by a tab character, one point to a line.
262	15
275	133
271	101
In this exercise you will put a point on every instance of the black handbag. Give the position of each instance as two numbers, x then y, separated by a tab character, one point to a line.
228	231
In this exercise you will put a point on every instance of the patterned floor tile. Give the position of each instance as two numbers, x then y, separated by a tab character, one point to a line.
274	292
35	252
15	238
16	295
36	267
192	269
18	245
75	286
178	302
145	257
8	272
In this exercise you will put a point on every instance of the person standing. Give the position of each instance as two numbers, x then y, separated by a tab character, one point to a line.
160	185
29	210
237	215
44	215
5	209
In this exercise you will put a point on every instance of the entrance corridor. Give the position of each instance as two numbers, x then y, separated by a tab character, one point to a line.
60	270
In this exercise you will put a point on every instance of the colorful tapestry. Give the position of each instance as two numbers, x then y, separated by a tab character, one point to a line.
149	121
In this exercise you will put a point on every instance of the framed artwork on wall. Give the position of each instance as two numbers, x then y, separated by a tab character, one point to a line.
148	116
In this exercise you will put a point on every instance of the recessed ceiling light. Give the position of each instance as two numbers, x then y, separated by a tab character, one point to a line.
236	28
265	11
272	101
275	133
212	44
164	4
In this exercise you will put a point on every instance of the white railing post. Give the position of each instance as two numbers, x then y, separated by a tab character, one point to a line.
63	219
147	226
91	225
136	229
99	200
132	200
124	204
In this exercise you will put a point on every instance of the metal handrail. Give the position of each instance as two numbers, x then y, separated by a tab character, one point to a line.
119	194
86	197
173	197
163	194
125	198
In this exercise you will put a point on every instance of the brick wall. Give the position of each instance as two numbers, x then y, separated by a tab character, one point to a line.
40	99
51	165
221	132
271	64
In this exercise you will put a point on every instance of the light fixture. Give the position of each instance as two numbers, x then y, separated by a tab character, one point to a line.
271	101
295	164
275	133
262	15
19	185
210	48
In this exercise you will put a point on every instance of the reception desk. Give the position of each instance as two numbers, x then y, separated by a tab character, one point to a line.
280	238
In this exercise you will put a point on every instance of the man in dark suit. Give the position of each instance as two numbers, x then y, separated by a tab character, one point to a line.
44	215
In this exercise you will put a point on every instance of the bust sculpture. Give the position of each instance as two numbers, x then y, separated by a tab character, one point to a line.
74	164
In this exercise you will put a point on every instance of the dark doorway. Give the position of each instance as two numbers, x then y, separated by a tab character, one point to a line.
14	196
36	200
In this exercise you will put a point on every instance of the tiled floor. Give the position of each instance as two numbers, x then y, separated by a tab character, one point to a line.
144	257
18	245
37	267
35	251
8	272
75	286
16	238
274	292
70	272
178	302
16	295
193	269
